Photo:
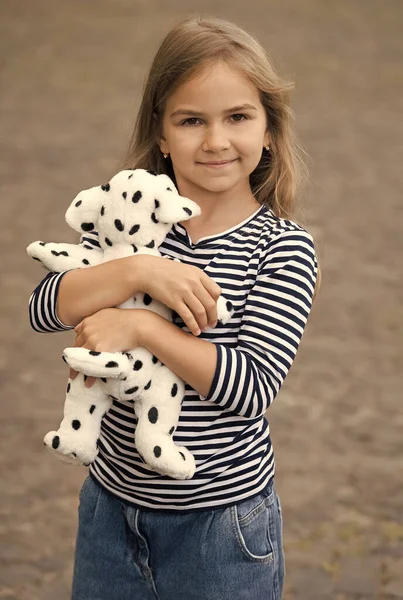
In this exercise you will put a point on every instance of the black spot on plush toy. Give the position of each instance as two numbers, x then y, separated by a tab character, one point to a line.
132	214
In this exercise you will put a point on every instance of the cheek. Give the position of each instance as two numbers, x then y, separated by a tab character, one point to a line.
252	140
251	154
186	153
186	139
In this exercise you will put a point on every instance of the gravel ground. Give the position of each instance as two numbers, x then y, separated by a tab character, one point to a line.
71	77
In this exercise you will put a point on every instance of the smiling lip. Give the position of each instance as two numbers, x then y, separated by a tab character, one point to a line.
220	163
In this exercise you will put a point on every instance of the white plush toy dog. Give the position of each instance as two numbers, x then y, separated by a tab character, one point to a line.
133	214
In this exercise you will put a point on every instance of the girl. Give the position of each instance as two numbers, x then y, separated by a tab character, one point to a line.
215	117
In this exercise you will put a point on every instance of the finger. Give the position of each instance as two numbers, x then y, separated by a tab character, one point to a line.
80	341
89	382
188	318
72	373
197	309
76	344
209	304
211	286
78	327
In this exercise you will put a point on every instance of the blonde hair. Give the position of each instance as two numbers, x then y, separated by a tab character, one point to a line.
189	46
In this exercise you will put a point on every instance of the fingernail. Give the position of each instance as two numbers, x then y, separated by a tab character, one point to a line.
197	332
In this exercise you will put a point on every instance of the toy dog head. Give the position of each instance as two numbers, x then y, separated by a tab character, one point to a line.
136	207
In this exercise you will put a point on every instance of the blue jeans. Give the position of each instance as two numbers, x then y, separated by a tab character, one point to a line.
127	553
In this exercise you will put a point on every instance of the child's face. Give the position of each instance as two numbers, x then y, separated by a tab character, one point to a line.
207	130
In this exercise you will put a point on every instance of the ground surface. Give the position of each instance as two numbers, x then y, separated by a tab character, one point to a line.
71	77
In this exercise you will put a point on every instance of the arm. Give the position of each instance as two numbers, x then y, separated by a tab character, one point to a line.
192	359
247	378
62	300
84	292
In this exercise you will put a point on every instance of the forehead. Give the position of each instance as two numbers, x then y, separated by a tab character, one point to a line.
215	87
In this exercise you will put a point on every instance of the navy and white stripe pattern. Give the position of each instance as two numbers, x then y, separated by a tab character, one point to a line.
42	305
267	267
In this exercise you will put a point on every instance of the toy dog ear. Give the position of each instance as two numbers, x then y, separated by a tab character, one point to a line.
172	208
82	214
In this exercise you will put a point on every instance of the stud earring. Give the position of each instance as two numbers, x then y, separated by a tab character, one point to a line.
267	147
166	155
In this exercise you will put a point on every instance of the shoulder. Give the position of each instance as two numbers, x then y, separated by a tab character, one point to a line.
276	229
285	237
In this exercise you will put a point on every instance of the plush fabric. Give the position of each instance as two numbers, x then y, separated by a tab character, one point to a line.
132	214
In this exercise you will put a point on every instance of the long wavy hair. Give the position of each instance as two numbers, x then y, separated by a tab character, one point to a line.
189	46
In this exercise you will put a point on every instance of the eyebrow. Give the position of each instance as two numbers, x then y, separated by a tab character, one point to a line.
183	111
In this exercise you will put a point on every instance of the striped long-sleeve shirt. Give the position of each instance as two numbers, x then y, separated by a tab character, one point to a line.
267	267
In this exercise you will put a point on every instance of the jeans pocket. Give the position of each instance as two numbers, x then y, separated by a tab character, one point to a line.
254	525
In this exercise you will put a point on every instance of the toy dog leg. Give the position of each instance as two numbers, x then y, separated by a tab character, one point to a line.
76	439
98	364
225	309
158	414
60	257
115	365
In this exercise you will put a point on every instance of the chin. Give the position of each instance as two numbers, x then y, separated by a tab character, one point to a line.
216	187
216	184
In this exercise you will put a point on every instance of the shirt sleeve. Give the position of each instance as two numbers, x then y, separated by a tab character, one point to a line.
43	300
248	377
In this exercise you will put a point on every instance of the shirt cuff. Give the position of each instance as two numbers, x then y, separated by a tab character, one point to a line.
54	315
214	390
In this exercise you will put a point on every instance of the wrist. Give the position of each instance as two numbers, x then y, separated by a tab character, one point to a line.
145	321
136	272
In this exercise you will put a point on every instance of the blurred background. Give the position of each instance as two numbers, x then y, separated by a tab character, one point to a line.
71	79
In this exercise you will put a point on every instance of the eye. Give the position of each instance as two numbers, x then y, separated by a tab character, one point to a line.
187	121
244	117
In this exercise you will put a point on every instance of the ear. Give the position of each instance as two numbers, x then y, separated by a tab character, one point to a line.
159	137
163	146
172	208
82	214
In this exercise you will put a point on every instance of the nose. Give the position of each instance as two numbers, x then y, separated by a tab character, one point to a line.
215	139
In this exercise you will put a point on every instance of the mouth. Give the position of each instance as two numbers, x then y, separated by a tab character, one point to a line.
218	163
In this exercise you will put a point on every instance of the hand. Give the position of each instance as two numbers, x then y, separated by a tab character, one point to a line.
108	330
184	288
